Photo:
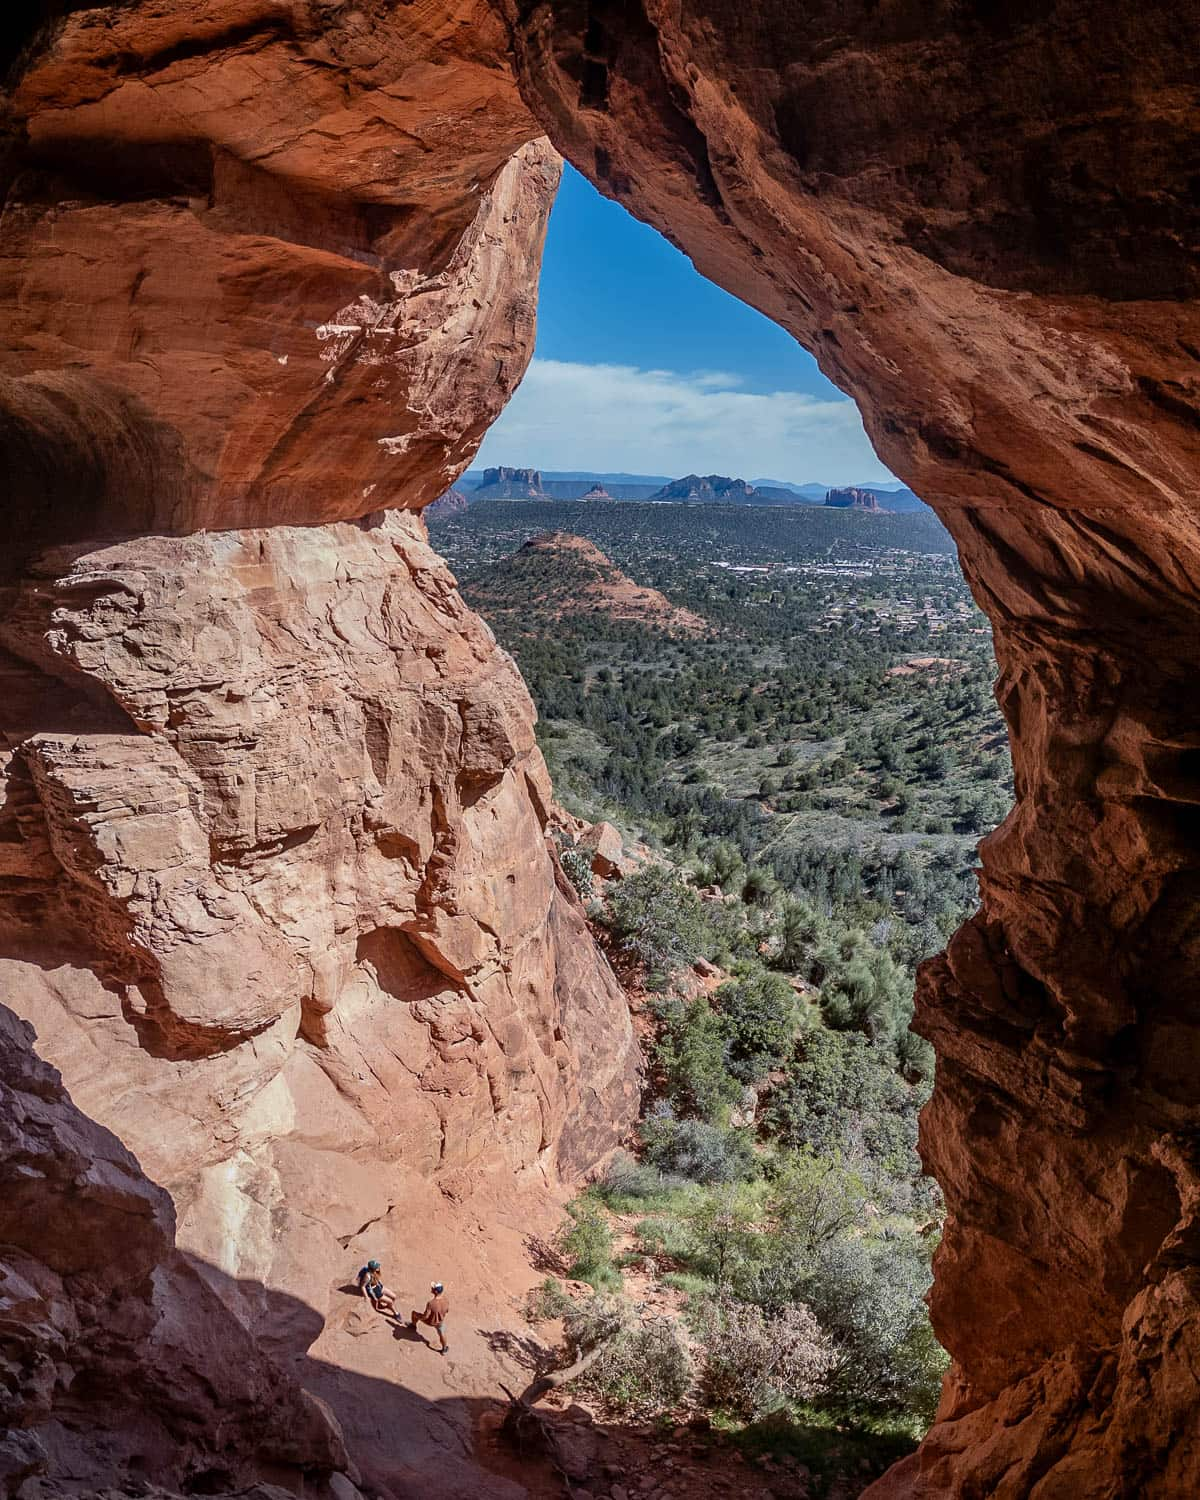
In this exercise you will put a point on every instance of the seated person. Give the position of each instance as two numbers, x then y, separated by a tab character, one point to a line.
370	1283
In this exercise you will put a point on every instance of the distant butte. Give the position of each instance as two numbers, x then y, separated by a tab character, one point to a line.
855	499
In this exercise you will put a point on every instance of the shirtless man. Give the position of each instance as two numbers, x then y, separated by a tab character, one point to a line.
434	1315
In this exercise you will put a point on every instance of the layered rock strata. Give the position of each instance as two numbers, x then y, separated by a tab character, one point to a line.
260	262
986	230
115	1355
279	902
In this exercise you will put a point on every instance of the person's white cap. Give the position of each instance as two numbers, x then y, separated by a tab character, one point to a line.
436	1286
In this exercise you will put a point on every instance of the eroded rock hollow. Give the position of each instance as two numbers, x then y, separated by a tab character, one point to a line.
273	808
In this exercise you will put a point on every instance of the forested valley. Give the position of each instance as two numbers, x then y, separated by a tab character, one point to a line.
788	716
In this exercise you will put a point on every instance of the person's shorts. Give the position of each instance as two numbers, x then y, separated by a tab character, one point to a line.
375	1292
441	1327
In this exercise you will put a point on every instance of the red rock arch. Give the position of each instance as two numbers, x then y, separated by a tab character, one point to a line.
982	220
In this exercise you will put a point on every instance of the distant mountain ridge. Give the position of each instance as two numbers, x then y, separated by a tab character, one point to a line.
506	483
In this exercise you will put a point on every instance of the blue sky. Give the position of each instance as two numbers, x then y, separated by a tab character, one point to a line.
643	366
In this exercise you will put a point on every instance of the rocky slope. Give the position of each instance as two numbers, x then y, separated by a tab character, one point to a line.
115	1354
272	264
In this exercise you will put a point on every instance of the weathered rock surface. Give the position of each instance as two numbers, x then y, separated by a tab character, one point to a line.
509	484
278	900
983	221
986	231
114	1353
296	851
853	499
260	263
452	503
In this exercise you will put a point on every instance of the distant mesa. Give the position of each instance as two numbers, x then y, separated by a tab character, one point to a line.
506	483
855	499
707	489
568	575
510	484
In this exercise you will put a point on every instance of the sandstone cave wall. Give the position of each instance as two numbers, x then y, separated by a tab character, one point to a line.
278	890
268	265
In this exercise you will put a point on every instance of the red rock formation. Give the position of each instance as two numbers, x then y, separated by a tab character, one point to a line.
853	499
278	898
982	220
113	1349
252	257
558	573
452	503
986	232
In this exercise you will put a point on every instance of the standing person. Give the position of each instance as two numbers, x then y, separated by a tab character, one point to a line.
370	1284
435	1313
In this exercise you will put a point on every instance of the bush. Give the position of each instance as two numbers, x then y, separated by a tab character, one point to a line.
695	1150
547	1300
659	918
862	987
869	1299
753	1365
628	1178
761	1017
642	1366
691	1052
799	931
842	1097
586	1243
577	867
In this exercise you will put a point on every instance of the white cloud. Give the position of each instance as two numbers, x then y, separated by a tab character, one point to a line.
567	415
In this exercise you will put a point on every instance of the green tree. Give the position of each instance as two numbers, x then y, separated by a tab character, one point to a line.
761	1020
657	916
691	1052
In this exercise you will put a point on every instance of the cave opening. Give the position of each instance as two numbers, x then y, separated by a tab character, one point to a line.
780	691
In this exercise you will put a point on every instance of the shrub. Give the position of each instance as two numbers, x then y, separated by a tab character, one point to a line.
761	1017
842	1097
586	1243
759	886
642	1366
862	987
628	1178
723	1238
869	1299
696	1150
752	1364
577	867
659	918
799	931
547	1300
691	1052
